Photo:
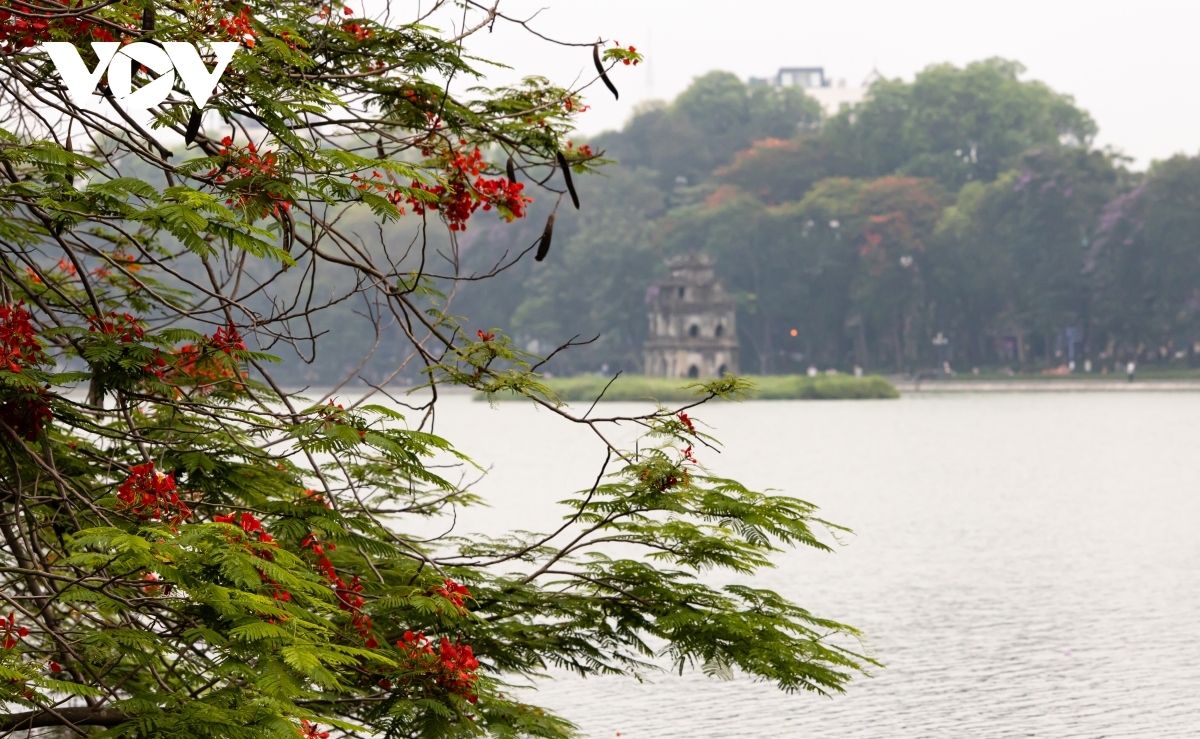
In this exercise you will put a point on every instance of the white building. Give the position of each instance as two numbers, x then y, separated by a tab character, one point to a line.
832	95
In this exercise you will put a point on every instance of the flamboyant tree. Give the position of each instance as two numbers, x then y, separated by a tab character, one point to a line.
190	549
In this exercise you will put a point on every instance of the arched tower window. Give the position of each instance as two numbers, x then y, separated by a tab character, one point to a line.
721	370
693	371
720	329
694	331
682	290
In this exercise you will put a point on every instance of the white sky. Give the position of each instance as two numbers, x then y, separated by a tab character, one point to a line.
1131	65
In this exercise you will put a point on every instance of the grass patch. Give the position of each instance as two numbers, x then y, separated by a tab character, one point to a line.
585	388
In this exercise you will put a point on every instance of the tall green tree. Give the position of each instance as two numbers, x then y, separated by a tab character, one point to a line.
717	116
1012	263
1144	263
955	125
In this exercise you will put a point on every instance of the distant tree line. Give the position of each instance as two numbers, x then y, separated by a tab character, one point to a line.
968	203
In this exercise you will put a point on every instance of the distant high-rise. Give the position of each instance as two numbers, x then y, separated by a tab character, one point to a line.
693	328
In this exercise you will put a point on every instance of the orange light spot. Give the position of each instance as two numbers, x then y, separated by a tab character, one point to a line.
794	332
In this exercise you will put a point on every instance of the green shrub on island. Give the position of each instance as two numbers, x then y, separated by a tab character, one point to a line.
586	388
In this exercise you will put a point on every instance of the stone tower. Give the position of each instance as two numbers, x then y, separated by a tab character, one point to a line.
693	332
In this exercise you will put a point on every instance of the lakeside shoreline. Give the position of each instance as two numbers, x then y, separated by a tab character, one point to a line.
1121	385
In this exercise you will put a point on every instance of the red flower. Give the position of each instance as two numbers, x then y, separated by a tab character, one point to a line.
55	667
245	168
452	666
683	418
239	28
19	32
124	328
19	344
485	336
27	414
453	592
12	632
311	731
227	339
248	523
461	197
151	495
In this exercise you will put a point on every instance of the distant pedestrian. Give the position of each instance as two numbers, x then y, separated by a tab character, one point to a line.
1130	369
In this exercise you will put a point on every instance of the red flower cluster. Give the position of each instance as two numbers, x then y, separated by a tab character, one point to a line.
453	592
687	454
354	28
152	588
151	495
248	523
19	345
683	418
251	525
363	184
350	600
12	632
158	366
310	731
239	27
570	105
124	327
243	164
347	595
632	50
462	197
318	498
324	566
485	336
453	666
191	364
26	412
227	338
584	152
19	32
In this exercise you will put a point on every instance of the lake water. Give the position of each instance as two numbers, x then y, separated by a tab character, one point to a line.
1023	565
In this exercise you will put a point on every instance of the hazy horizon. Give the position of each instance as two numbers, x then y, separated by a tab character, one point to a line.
1127	69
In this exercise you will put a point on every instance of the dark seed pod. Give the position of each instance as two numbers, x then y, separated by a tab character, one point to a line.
379	148
68	147
511	170
566	170
544	243
193	127
603	75
289	232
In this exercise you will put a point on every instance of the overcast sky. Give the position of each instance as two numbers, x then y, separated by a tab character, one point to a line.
1131	64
